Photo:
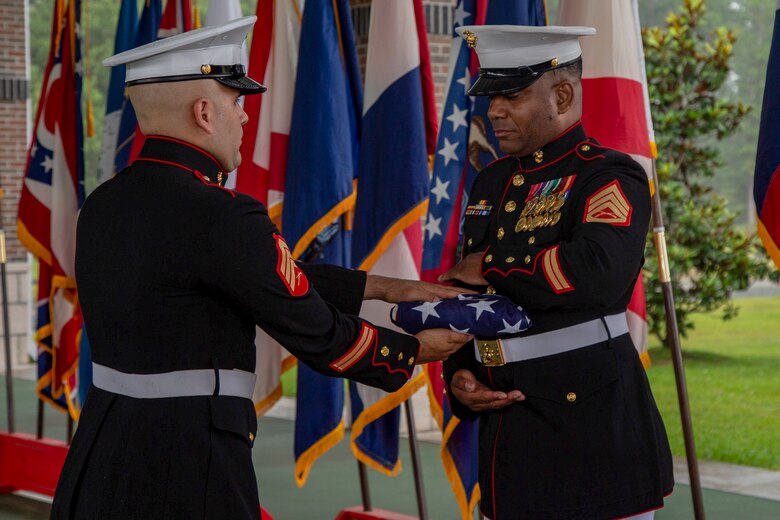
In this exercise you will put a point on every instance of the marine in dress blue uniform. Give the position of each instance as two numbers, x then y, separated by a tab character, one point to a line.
174	272
559	229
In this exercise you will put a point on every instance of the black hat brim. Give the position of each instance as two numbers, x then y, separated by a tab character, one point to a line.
499	86
247	86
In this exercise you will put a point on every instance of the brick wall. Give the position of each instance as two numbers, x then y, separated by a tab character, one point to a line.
14	82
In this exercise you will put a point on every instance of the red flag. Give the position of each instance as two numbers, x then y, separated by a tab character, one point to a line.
615	103
52	194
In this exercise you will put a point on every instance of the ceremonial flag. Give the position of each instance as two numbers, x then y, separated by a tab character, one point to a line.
52	193
464	146
125	36
766	188
273	61
129	137
392	197
615	109
321	167
176	18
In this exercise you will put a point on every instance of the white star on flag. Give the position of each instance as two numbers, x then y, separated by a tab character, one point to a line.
464	331
511	329
433	226
458	117
48	163
440	190
466	80
460	16
448	152
427	309
483	306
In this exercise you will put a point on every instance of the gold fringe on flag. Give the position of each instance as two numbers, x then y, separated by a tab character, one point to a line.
87	74
196	17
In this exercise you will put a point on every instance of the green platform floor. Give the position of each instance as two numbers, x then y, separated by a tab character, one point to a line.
333	482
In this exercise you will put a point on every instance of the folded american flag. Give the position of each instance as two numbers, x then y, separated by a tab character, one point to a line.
479	314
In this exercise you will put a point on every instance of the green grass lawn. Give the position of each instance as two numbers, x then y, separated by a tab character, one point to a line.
733	373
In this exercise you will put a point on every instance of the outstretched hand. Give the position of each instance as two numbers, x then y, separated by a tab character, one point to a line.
478	397
394	290
468	271
439	344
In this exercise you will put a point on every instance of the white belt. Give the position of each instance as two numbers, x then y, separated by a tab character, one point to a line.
497	352
182	383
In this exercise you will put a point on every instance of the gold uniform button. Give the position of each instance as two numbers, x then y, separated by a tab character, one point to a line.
208	179
490	290
488	259
500	233
400	356
518	180
385	351
251	437
510	259
527	259
531	240
571	397
584	147
205	68
470	241
411	361
510	206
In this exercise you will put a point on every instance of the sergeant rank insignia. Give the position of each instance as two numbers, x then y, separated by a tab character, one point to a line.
481	209
543	204
608	206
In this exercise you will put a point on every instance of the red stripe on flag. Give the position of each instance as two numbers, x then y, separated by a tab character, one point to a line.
770	210
614	114
428	91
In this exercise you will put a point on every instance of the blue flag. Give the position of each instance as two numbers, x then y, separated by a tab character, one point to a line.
126	28
126	141
766	189
321	168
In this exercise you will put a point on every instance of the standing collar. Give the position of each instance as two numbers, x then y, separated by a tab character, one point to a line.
555	149
184	155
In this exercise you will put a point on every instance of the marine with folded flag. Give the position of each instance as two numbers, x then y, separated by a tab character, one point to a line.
568	425
464	147
173	297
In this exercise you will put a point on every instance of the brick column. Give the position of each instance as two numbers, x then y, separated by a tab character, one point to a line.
14	108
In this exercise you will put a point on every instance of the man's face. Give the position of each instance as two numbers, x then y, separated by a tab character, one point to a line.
526	120
229	122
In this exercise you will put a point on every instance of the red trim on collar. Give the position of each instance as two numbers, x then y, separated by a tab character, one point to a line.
190	145
196	173
572	127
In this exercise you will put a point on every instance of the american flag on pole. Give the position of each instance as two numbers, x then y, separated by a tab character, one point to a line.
615	104
392	197
766	188
464	146
52	193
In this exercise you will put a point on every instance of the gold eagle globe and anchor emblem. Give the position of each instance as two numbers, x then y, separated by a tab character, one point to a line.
471	39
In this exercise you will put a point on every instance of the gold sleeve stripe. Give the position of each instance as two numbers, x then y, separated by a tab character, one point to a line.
553	272
357	351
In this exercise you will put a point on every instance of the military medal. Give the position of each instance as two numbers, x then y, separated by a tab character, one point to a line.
543	204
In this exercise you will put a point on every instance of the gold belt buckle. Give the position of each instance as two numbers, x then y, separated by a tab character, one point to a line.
491	352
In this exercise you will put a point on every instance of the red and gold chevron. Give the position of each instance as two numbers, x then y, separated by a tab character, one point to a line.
365	341
292	276
551	267
608	206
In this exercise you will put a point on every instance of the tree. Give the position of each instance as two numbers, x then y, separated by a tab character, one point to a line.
709	255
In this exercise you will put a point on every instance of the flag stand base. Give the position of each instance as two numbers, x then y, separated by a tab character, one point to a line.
30	464
357	513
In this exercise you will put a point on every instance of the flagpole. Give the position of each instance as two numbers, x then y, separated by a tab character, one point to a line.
673	334
9	388
365	492
416	466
